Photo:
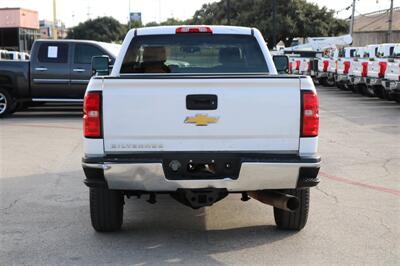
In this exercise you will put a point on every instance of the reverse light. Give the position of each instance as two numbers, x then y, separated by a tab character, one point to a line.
92	115
364	69
309	114
382	69
200	29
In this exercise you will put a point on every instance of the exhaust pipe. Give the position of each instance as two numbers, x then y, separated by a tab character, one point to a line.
276	199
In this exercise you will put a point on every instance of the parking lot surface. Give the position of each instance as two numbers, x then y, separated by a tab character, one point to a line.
354	216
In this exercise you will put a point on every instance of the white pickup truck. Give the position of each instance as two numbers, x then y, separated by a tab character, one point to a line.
391	81
360	68
221	121
377	69
344	66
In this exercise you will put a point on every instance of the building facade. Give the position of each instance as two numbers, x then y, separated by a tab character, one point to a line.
46	29
373	28
19	27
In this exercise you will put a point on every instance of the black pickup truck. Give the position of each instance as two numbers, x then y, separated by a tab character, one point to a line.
58	71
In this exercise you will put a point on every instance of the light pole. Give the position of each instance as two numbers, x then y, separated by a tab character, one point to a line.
54	20
390	22
352	18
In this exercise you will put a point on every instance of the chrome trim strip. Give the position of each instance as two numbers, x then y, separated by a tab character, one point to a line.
80	81
57	100
51	81
41	68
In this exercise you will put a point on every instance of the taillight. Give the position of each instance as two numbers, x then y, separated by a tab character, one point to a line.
297	64
336	66
399	72
309	66
364	69
326	64
200	29
309	114
92	115
346	67
290	67
382	69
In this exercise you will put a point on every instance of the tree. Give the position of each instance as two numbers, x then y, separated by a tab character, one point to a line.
105	29
295	18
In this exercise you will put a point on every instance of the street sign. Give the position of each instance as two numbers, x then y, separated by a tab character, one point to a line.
135	16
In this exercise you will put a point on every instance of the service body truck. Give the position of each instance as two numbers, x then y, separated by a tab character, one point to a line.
223	122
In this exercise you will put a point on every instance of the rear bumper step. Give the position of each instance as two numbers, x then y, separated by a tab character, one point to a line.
173	171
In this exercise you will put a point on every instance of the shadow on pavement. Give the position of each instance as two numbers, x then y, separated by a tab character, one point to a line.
49	222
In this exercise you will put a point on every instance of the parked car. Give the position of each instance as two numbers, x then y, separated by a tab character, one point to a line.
332	66
391	82
58	71
360	68
377	68
343	67
225	123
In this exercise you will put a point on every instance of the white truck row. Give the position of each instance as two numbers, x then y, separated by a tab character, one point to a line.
13	55
373	70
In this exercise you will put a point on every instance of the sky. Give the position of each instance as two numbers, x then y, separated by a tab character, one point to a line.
71	12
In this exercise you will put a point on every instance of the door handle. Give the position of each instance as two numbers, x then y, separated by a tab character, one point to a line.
41	68
201	102
78	70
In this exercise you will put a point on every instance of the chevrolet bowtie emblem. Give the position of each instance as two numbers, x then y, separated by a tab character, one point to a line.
201	120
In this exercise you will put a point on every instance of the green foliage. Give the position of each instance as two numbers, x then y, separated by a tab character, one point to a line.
294	18
105	29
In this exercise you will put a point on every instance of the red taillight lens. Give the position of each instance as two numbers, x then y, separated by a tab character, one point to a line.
309	114
346	67
297	64
290	67
336	66
201	29
364	69
92	115
326	64
382	69
309	66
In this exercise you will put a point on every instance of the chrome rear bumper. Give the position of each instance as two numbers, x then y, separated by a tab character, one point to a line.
150	176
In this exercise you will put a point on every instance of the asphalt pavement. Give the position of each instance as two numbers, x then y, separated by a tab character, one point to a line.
354	215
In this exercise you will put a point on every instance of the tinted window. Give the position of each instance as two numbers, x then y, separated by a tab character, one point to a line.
53	53
194	53
85	52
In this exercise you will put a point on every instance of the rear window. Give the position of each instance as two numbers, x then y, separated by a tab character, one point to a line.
194	53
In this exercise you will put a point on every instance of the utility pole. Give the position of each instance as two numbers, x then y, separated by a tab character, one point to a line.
129	15
352	18
228	11
54	20
389	39
273	23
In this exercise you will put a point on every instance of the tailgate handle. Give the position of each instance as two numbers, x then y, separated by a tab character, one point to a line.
201	102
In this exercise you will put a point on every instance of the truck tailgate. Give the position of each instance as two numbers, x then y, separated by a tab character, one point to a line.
252	114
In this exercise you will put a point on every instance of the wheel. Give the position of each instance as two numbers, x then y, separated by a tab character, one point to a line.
341	86
294	220
106	209
330	82
322	81
380	92
368	91
7	103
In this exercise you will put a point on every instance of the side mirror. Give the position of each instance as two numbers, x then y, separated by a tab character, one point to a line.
100	65
281	63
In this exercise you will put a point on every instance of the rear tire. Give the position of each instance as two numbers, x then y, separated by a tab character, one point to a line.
106	209
296	220
7	103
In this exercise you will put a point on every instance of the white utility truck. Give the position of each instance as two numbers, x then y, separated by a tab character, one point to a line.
224	121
